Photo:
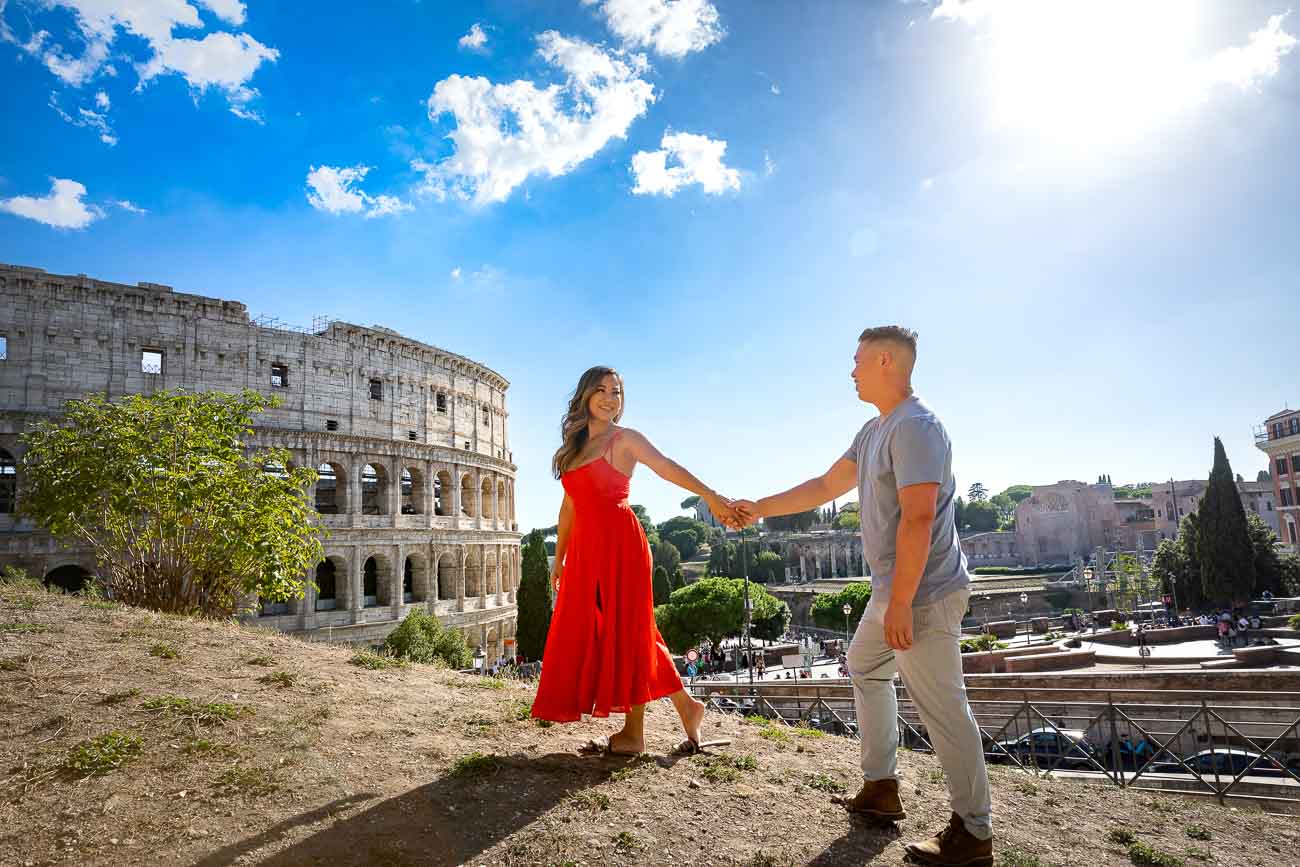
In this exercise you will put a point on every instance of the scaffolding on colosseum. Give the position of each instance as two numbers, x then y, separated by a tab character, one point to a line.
319	324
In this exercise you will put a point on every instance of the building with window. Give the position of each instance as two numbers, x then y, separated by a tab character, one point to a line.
1279	438
416	478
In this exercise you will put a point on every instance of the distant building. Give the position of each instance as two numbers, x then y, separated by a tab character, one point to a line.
1260	498
702	513
1068	520
997	548
1279	438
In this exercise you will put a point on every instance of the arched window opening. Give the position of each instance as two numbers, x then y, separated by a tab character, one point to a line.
439	507
326	586
447	576
8	483
69	579
372	484
408	581
327	490
370	583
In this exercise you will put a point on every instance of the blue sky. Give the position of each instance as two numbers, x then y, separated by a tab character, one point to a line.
1087	210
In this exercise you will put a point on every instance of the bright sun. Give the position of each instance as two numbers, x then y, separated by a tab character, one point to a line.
1091	73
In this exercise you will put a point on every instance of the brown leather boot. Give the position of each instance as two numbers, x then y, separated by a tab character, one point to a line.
878	799
954	846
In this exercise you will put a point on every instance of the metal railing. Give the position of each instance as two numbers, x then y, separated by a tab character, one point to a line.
1132	741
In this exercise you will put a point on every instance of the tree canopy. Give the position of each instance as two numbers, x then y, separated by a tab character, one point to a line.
1226	553
533	598
848	520
977	492
662	586
180	515
665	554
714	608
828	608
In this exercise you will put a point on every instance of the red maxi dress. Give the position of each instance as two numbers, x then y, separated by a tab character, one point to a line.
604	653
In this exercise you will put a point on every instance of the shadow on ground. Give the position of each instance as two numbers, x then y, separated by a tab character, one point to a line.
451	820
859	845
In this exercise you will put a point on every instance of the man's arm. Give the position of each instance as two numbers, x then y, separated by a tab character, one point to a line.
917	504
835	482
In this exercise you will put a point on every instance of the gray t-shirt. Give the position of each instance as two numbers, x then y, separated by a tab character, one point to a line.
907	447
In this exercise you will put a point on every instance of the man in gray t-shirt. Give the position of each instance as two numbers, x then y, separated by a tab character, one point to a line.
904	448
901	462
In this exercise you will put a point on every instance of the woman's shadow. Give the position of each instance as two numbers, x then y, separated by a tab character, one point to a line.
450	820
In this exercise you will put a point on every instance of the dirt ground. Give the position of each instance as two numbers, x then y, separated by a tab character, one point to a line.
286	754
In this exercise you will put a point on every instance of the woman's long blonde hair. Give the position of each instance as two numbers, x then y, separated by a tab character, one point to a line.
573	427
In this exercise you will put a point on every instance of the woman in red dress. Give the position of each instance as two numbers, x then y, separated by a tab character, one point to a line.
604	653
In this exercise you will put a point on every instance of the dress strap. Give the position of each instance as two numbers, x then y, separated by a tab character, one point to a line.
609	446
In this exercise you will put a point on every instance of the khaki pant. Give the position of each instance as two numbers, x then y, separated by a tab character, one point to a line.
931	671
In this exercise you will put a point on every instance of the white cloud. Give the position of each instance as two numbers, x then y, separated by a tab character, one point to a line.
776	89
102	101
63	208
455	273
232	12
1246	66
129	207
506	132
474	40
969	11
673	28
927	184
769	166
699	161
85	117
220	60
334	191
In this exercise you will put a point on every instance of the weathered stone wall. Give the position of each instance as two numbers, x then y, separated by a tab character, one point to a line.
416	437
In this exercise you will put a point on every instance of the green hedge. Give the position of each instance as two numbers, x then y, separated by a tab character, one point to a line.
1017	570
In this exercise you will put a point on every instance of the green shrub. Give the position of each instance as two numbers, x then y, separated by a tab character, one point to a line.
100	755
981	643
1146	856
1123	836
421	638
164	651
475	764
1198	832
1294	622
1118	625
376	661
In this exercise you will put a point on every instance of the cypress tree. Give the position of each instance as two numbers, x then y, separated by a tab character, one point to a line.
1190	594
534	598
1226	553
662	587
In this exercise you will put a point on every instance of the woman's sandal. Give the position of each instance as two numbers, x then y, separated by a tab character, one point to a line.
690	746
600	747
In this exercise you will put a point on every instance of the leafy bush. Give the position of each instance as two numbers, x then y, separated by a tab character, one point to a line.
981	643
1118	625
421	638
100	755
1294	622
375	661
828	608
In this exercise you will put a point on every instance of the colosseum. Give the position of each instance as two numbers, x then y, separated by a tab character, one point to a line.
416	480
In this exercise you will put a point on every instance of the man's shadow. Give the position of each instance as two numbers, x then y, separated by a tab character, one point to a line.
859	845
450	820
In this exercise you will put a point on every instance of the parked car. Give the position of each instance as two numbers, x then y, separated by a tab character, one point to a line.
1229	761
1045	746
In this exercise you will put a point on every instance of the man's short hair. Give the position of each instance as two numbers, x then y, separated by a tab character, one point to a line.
895	334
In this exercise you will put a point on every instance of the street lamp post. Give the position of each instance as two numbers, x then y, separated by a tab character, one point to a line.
749	642
848	609
1024	603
